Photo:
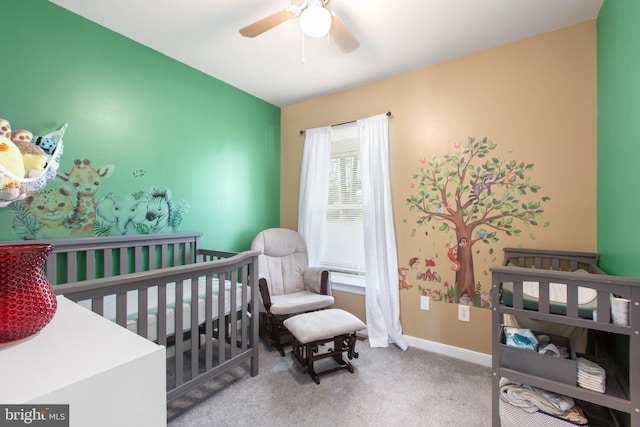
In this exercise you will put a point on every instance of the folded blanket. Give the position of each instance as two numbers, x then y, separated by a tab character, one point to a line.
532	399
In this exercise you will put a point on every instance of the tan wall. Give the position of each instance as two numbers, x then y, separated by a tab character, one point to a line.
536	99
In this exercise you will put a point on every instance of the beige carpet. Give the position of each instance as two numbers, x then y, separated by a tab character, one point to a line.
389	388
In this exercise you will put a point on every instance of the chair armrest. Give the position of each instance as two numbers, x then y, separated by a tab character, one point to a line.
316	279
264	293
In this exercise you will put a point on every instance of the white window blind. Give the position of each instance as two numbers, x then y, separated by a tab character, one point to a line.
343	245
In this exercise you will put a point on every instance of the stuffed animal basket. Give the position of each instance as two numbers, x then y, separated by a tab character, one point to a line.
14	187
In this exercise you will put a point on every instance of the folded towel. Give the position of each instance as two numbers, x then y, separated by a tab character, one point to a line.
532	399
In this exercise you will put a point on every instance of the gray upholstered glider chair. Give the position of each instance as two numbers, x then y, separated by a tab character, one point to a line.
288	286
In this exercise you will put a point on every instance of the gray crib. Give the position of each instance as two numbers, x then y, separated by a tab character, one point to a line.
196	302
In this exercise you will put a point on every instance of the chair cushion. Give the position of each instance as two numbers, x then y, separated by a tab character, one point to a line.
322	324
279	242
299	302
282	261
284	274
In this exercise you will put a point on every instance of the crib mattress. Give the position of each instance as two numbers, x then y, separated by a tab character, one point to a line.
587	298
529	302
109	306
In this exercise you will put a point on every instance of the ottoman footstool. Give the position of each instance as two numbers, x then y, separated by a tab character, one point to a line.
311	330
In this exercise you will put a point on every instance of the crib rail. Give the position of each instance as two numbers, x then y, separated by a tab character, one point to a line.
552	260
87	258
209	327
604	285
212	255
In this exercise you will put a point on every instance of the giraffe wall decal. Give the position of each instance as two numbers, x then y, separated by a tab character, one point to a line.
86	181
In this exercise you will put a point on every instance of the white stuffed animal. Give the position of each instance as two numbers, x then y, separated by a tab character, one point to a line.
34	157
11	161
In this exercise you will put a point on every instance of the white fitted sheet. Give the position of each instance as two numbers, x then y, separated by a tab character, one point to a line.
109	306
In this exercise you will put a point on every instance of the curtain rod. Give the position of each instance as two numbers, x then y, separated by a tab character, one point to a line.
345	123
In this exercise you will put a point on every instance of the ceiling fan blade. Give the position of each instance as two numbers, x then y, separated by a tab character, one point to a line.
267	23
342	36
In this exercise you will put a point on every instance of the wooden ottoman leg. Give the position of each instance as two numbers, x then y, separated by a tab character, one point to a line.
337	350
352	354
341	345
312	348
297	353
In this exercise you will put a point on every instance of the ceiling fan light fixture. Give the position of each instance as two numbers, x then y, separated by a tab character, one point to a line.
315	21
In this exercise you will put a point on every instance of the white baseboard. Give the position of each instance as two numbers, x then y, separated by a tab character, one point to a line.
449	350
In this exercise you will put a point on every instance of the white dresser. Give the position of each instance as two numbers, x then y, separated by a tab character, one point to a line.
107	375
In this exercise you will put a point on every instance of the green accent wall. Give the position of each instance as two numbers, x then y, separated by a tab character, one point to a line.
159	122
619	137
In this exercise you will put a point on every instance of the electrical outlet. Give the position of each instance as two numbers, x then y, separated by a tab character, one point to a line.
424	303
464	313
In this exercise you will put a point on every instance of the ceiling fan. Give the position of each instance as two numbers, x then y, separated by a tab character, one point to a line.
316	20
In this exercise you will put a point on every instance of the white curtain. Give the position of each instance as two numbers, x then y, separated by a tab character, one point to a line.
314	188
382	293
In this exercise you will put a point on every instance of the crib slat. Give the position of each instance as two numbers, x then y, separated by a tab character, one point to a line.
179	344
572	301
51	269
208	327
604	307
176	254
97	305
137	258
517	295
123	260
162	314
195	333
153	257
163	256
72	265
233	313
121	309
108	262
90	264
245	303
187	253
543	300
143	313
222	279
253	281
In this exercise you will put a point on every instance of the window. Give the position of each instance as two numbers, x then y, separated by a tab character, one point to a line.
343	244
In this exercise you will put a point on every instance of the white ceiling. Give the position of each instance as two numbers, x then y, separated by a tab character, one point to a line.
395	37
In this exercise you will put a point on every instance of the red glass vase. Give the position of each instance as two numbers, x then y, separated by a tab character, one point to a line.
27	301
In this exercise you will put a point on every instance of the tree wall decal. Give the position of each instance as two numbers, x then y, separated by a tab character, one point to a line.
477	197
